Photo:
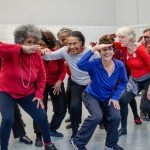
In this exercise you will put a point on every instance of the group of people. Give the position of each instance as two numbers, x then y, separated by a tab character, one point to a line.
105	77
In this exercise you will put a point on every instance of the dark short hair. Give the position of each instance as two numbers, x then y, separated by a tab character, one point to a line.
105	39
49	38
22	32
78	35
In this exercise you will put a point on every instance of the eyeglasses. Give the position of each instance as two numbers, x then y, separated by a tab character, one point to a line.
146	37
74	44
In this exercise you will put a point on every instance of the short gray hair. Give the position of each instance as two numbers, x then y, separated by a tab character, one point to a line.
127	32
22	32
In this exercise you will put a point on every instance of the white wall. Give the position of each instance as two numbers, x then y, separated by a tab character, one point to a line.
132	12
93	17
58	12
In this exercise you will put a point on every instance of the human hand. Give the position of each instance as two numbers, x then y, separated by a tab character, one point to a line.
57	87
92	43
30	49
39	102
100	46
115	103
45	50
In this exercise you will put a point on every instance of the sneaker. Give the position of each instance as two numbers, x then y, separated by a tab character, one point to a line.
75	146
68	120
69	126
50	147
56	134
25	139
137	120
38	142
117	147
122	131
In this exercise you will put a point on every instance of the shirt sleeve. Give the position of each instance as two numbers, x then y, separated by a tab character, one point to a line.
54	55
41	79
143	52
84	62
6	49
123	80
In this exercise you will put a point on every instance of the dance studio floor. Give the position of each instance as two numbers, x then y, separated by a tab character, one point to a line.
138	137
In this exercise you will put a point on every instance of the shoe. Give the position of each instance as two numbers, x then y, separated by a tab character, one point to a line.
75	146
69	126
122	131
25	139
137	120
144	116
117	147
50	147
56	134
38	142
68	120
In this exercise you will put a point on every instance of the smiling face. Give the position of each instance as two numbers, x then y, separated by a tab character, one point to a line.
107	53
63	37
74	45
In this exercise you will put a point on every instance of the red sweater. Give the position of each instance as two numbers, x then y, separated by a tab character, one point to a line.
55	70
11	78
139	62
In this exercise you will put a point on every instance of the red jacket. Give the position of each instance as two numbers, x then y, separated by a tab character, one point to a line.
15	78
55	70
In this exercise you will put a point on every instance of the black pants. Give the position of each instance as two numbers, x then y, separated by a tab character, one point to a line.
76	106
127	97
59	107
68	94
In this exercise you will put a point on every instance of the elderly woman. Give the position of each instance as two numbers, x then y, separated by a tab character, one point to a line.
101	95
72	53
138	61
23	69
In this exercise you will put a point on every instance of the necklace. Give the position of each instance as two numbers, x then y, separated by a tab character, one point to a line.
29	78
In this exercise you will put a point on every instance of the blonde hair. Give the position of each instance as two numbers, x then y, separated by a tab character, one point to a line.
127	32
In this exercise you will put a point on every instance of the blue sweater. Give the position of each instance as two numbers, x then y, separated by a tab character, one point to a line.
103	87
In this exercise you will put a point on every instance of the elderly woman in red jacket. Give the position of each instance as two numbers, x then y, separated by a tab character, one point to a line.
138	61
21	68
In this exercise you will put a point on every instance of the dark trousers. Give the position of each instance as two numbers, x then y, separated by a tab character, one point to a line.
98	111
127	97
76	106
68	94
7	108
133	106
18	126
59	107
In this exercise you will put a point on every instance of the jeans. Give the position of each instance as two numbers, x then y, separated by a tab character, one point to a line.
18	126
98	110
76	106
7	108
127	97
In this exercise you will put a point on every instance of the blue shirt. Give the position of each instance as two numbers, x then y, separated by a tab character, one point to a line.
102	86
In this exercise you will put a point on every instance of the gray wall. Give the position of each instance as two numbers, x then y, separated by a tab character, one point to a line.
58	12
132	12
